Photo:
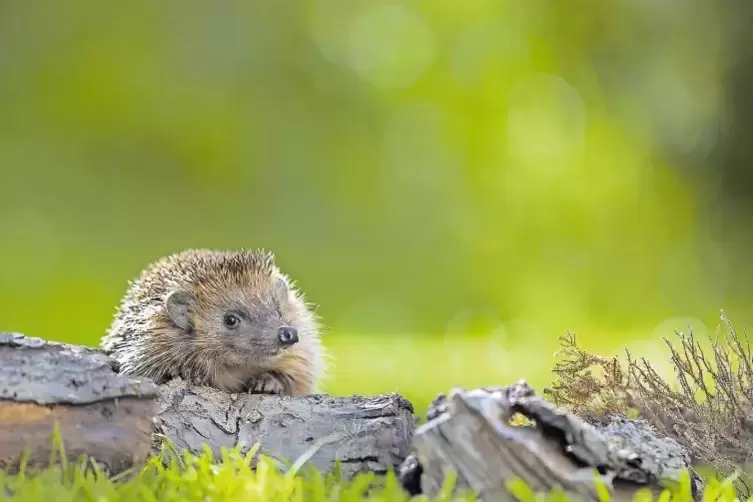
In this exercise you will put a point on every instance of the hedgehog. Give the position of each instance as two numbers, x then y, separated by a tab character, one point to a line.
230	320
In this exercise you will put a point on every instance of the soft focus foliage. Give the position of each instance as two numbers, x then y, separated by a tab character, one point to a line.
455	184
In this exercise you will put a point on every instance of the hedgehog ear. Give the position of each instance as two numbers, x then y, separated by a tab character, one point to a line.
179	305
282	284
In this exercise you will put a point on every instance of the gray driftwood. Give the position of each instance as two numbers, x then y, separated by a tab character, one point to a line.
100	413
470	435
366	434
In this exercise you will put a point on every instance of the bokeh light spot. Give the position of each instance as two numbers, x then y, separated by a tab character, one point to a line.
390	47
546	118
682	324
330	24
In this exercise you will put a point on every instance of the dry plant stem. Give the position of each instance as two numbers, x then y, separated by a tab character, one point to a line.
579	389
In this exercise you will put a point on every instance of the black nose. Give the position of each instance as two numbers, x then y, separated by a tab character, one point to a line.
288	335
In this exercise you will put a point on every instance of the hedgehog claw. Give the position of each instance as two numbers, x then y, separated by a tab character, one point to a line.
265	384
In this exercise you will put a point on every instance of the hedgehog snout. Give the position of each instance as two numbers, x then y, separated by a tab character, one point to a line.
287	335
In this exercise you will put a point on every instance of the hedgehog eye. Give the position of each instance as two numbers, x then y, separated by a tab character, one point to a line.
231	320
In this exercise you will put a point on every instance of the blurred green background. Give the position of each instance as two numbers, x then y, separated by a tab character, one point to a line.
455	184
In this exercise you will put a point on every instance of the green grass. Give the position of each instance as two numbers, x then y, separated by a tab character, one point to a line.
190	478
231	478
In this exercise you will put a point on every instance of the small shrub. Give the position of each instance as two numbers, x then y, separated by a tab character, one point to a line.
709	410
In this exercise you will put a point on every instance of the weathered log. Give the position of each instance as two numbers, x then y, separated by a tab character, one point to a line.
366	434
470	434
100	413
118	421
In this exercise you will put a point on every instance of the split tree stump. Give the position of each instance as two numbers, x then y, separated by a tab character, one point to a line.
470	435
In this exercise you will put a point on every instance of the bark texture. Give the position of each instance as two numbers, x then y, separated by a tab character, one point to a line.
100	413
366	434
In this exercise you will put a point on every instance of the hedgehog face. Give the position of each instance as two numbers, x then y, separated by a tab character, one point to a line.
257	326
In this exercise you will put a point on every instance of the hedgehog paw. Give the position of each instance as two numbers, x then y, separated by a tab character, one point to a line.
266	384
